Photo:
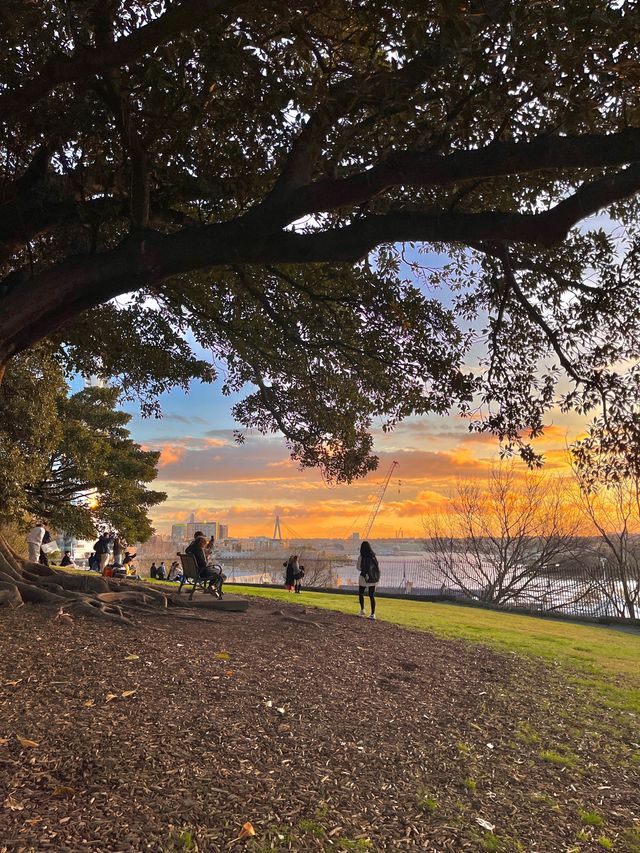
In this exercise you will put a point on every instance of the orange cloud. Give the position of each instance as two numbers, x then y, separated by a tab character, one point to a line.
170	454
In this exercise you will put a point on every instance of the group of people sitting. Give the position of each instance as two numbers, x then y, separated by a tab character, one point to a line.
111	558
293	574
160	572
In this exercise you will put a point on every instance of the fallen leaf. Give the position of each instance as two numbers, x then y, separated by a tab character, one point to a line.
127	693
223	655
485	824
89	703
12	804
4	741
280	710
132	657
111	696
24	741
65	819
13	683
229	673
64	791
247	830
269	704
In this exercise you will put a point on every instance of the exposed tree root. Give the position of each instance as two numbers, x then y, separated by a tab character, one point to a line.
286	617
22	581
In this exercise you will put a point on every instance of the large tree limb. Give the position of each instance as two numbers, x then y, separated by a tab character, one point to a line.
420	169
86	62
34	308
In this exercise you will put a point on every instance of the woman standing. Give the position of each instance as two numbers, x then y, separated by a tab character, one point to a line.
290	573
369	576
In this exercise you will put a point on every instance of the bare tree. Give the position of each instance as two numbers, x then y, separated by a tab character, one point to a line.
506	540
613	509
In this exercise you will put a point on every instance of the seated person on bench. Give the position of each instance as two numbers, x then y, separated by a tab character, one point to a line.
197	550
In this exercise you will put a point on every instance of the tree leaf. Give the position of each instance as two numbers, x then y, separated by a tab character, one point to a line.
64	791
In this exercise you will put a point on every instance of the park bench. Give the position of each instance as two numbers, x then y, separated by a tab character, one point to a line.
191	575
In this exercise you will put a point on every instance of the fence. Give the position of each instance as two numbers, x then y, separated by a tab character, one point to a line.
586	591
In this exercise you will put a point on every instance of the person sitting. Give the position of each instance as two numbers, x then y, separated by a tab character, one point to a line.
197	551
66	560
175	571
153	571
161	572
93	562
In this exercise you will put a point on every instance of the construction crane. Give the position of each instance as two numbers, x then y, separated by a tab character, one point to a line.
378	501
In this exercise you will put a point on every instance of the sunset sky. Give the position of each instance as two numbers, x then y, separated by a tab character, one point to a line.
203	470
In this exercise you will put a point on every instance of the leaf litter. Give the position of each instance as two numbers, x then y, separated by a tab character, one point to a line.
384	746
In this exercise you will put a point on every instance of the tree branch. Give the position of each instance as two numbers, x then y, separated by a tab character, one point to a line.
86	62
421	169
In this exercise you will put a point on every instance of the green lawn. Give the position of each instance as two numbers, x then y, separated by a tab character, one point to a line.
604	658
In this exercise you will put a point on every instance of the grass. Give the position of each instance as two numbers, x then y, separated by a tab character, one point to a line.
590	818
563	759
603	659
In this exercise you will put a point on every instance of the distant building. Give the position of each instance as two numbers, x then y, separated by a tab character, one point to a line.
178	532
355	537
209	528
223	531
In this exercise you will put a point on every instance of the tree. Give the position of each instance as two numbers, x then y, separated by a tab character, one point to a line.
249	171
608	479
502	540
77	467
71	460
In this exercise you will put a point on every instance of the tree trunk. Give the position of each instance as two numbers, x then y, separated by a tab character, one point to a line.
24	582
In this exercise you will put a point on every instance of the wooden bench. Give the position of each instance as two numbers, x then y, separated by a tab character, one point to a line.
191	575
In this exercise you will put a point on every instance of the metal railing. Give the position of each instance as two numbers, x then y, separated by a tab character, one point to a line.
601	591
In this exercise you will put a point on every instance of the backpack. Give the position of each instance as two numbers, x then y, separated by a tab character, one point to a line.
372	574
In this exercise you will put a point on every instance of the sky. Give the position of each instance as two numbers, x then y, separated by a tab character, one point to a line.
203	470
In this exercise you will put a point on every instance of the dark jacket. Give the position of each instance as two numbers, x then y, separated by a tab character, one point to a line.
197	551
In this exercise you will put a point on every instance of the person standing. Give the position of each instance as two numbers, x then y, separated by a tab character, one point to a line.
46	540
290	573
369	576
101	548
119	545
34	541
161	572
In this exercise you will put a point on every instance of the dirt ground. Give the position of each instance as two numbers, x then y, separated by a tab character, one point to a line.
331	733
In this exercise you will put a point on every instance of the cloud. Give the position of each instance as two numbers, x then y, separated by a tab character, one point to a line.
170	455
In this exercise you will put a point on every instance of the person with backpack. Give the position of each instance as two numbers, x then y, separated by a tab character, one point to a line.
369	572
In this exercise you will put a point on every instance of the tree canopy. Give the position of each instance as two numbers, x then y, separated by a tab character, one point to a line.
69	459
269	176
